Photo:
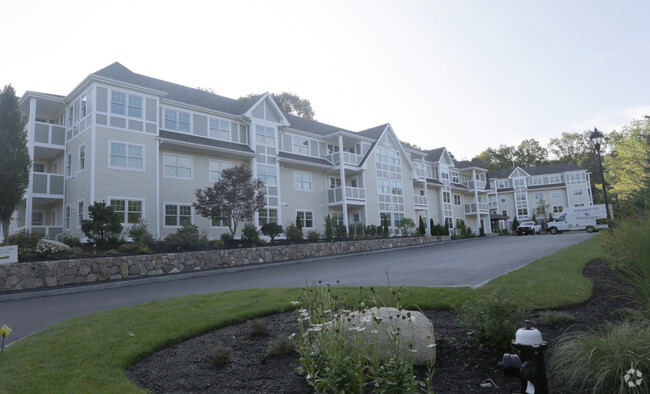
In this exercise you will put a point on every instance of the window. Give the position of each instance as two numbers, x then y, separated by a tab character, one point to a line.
300	145
501	184
126	156
504	212
446	197
118	102
39	167
381	156
449	222
396	187
220	129
68	165
397	217
539	196
129	211
393	158
84	106
66	219
578	191
457	200
422	192
337	218
503	199
177	166
268	216
556	194
522	212
177	120
216	166
555	179
82	157
538	180
80	213
444	173
266	174
335	182
383	186
557	208
385	218
135	106
306	218
178	215
302	181
70	116
37	218
520	182
578	205
265	135
455	177
223	222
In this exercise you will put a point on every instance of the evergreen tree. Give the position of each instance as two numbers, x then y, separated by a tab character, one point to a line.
432	227
298	221
104	224
329	228
422	229
14	158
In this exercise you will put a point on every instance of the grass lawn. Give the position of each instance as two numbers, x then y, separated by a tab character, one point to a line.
90	354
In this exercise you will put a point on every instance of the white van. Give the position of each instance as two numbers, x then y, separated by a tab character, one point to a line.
589	218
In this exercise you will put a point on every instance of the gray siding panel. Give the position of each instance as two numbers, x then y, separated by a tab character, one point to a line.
151	128
270	113
259	111
151	110
100	119
118	122
102	97
136	125
58	135
42	133
200	125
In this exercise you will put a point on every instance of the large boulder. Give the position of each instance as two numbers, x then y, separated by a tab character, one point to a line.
385	327
54	245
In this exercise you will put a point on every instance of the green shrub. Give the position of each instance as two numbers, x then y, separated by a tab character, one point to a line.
341	231
185	238
44	250
515	224
225	237
359	230
70	240
371	230
249	232
495	317
555	318
597	360
220	355
258	327
271	230
313	236
329	228
104	225
140	234
293	233
112	252
406	227
281	345
128	246
422	228
25	240
481	231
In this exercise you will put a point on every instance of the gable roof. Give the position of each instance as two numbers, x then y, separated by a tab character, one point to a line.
176	92
469	164
539	170
312	126
434	155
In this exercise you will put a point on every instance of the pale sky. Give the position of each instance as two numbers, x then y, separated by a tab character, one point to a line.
462	74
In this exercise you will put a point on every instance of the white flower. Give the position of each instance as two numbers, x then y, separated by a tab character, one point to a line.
295	302
431	345
373	331
366	319
413	350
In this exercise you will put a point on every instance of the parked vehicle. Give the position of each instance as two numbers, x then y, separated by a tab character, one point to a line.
529	227
589	218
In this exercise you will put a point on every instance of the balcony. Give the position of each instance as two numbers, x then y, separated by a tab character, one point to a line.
420	200
352	194
482	208
348	158
51	231
471	185
49	134
493	205
47	185
421	172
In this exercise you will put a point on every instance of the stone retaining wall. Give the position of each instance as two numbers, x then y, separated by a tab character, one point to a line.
41	274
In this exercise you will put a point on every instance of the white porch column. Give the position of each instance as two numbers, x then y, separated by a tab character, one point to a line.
31	131
478	211
342	173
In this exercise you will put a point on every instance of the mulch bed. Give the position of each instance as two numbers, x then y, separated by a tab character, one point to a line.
462	363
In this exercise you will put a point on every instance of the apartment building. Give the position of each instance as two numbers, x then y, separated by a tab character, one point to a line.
144	145
540	191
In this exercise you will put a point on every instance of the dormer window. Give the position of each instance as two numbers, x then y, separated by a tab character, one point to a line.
177	120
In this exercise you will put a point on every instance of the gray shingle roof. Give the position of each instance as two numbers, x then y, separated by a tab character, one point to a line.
373	132
434	155
308	159
539	170
312	126
204	141
177	92
469	164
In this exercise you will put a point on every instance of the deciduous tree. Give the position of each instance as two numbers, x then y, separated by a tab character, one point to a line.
234	198
14	158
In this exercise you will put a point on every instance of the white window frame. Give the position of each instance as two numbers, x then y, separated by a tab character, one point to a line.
177	120
127	155
66	217
455	176
577	191
383	186
264	175
302	181
127	211
68	165
42	221
266	217
558	208
176	157
300	145
538	196
304	217
446	197
82	157
334	182
556	194
177	215
80	212
219	132
503	199
215	175
39	163
264	135
381	155
219	223
458	200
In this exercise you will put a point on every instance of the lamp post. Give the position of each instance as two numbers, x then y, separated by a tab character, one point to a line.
597	138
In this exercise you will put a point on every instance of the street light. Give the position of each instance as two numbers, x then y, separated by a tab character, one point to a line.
598	138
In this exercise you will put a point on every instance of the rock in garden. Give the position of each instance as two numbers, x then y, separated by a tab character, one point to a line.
56	245
384	327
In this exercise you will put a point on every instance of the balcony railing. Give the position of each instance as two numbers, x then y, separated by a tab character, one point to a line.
47	184
421	172
475	184
420	200
482	206
51	231
351	193
51	134
493	204
348	158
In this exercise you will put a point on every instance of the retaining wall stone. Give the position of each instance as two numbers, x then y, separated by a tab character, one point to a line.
41	274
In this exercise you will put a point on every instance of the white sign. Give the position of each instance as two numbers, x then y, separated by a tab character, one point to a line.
8	254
